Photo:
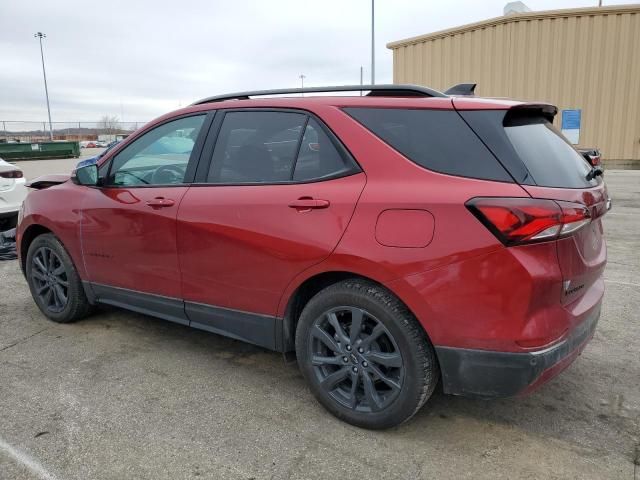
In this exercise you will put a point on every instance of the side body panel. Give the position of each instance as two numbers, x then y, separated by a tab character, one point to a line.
57	209
464	286
240	246
129	244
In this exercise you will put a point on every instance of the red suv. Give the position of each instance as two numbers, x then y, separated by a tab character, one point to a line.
392	240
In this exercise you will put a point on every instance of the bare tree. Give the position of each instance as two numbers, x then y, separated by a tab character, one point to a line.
109	124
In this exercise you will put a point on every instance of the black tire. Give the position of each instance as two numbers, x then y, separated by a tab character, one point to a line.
363	398
61	279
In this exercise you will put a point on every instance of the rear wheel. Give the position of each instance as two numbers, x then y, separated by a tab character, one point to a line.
54	281
364	355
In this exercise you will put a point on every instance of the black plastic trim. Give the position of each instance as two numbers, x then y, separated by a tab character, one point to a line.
167	308
89	293
262	330
249	327
487	125
490	374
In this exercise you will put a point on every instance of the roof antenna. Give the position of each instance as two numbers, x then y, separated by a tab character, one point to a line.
464	89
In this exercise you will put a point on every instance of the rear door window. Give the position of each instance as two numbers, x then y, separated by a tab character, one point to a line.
267	147
256	147
438	140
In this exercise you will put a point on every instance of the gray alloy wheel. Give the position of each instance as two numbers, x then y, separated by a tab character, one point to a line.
356	359
366	358
50	279
54	281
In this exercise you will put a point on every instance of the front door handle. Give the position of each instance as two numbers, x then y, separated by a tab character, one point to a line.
160	202
304	204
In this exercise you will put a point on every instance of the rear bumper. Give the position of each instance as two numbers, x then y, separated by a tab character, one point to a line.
490	374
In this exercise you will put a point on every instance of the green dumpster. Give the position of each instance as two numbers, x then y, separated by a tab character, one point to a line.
39	150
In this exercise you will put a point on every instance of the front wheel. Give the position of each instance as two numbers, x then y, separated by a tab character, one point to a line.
365	356
54	282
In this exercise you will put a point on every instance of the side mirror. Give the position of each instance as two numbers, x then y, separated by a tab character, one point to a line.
86	175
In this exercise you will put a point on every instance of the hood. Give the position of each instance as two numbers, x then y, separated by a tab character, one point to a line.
46	181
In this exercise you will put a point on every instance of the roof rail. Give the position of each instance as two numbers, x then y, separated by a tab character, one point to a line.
389	90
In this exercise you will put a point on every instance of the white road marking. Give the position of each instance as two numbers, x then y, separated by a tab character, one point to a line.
623	283
24	459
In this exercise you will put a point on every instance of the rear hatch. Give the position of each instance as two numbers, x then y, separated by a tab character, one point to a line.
548	167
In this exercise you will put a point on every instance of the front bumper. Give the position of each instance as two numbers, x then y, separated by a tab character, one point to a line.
8	220
490	374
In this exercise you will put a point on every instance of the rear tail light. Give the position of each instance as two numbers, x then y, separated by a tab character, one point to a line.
11	174
595	160
515	221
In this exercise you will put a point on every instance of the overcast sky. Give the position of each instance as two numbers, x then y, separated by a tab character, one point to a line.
140	59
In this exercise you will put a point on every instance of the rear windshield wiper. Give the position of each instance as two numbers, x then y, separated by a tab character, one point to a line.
594	172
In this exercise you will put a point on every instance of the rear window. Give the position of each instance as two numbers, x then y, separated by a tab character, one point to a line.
530	147
550	158
438	140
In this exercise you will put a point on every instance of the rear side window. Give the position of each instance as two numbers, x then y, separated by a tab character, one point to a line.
550	158
438	140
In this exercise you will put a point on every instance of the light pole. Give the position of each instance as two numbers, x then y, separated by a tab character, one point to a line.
40	36
302	77
373	48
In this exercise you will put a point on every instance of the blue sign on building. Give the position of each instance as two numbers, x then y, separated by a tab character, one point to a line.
571	119
571	125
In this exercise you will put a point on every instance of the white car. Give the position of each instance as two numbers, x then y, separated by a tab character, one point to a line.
12	193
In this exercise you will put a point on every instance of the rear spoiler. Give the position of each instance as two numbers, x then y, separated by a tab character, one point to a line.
517	112
47	181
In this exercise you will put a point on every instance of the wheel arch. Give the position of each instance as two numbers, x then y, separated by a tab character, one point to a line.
28	236
309	288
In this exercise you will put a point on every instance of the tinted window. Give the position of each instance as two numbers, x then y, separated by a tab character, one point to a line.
435	139
256	147
158	157
318	156
550	158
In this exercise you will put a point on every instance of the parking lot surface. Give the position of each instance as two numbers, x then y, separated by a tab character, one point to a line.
121	395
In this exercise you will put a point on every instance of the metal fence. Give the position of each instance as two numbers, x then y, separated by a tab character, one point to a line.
23	131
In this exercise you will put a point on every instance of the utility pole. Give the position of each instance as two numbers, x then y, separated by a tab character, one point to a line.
40	36
373	48
302	77
361	78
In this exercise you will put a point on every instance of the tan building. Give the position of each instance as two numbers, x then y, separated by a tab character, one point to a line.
585	59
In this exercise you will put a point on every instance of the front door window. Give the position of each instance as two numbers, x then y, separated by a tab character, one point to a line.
159	157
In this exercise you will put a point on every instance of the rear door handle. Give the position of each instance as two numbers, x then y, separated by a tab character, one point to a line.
307	203
160	202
